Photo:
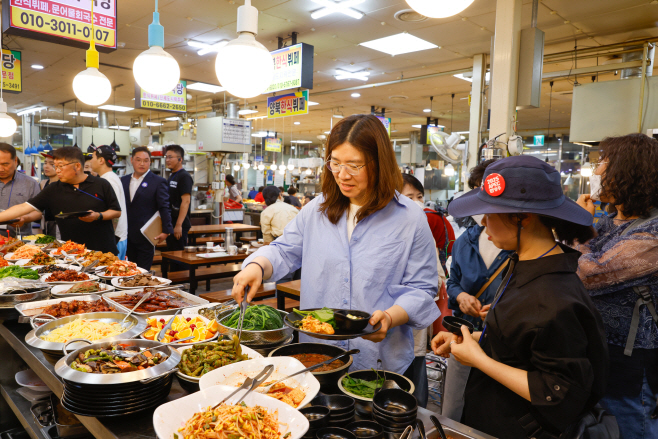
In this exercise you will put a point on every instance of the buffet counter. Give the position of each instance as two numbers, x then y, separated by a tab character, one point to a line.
138	426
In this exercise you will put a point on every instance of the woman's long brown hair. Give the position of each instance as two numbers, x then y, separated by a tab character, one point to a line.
367	134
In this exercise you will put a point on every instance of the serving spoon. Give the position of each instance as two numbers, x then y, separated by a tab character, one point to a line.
387	384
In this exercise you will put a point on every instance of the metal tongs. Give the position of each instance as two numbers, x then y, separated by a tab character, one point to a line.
251	384
144	297
243	310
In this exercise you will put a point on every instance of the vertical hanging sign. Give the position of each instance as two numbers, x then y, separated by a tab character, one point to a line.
12	71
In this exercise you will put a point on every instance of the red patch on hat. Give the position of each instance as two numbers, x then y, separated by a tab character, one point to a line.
494	185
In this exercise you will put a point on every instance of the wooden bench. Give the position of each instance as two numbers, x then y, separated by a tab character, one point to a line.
290	303
265	291
206	273
248	239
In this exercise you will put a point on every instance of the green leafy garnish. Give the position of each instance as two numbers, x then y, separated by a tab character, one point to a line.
18	271
361	387
325	315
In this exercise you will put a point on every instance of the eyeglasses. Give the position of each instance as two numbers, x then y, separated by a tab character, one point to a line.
60	167
349	167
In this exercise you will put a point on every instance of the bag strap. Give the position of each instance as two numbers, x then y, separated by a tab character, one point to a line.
638	222
491	279
645	299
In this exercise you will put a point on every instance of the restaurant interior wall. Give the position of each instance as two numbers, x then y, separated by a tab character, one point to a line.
101	136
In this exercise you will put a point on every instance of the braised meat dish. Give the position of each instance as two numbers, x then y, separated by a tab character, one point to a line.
65	309
159	301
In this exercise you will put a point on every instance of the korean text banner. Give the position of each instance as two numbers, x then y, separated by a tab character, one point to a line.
12	79
175	101
63	21
293	68
273	144
292	104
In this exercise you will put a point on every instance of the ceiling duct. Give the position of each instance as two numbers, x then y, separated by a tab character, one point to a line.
102	120
636	55
232	111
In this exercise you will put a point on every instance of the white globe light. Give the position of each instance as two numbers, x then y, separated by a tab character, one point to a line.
261	167
291	167
7	125
439	8
236	167
246	165
273	167
156	71
308	171
282	167
92	87
244	67
449	170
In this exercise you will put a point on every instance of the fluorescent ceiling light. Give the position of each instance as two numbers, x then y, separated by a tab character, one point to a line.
115	108
37	66
115	127
344	7
30	111
83	114
297	123
247	111
202	86
301	141
427	110
399	44
172	118
53	121
327	132
263	134
470	78
343	74
153	124
416	126
207	48
311	103
356	95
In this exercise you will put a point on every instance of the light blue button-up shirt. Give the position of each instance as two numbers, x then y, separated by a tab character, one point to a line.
390	260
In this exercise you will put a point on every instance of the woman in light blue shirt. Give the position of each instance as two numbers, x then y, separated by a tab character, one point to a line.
362	246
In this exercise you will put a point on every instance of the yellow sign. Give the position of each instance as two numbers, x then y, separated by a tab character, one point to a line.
292	104
174	101
12	79
273	144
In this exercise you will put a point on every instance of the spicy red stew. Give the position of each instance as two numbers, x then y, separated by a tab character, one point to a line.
309	360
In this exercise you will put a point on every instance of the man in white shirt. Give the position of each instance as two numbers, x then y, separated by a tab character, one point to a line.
102	160
276	216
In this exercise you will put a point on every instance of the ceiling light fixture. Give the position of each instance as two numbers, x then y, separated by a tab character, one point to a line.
37	66
244	66
311	103
247	111
297	123
273	166
439	8
331	7
399	44
91	86
427	110
153	124
282	167
53	121
449	170
261	167
202	86
236	167
155	70
117	127
176	118
343	74
30	111
207	48
356	95
115	108
309	171
301	141
470	78
83	114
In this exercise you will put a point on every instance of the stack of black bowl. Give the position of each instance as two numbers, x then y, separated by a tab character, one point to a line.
366	430
394	410
342	409
318	418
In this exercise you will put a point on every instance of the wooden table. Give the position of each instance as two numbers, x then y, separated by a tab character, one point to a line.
238	229
194	262
287	289
266	290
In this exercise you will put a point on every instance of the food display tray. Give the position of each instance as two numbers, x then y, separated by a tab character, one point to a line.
191	299
33	308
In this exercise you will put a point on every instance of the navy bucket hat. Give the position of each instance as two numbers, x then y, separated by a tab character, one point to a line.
520	184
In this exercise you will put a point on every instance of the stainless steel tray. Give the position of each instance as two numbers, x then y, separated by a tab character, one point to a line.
34	308
10	300
33	338
65	430
187	297
63	366
261	339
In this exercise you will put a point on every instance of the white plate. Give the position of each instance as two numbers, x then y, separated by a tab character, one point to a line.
117	283
10	257
22	262
234	375
252	354
78	257
212	255
60	290
169	417
102	276
44	278
168	317
30	380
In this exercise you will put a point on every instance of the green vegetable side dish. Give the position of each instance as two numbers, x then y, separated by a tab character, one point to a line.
203	358
44	239
325	315
18	271
363	388
256	318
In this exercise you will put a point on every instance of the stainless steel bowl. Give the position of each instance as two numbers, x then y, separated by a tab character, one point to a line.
63	366
202	249
259	339
33	338
189	249
9	300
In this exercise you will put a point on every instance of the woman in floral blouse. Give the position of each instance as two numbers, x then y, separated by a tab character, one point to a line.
617	267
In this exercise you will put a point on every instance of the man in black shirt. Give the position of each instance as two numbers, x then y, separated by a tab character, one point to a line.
180	191
291	198
76	192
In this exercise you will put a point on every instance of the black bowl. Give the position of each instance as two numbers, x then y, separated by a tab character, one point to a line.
346	324
318	416
454	325
339	404
327	379
366	430
390	424
334	433
343	419
395	402
390	418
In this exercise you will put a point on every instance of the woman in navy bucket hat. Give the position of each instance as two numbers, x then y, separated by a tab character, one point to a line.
541	361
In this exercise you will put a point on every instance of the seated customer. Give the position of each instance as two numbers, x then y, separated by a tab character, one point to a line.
259	196
252	193
276	216
292	198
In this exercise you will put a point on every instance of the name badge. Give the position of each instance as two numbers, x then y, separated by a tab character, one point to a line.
144	184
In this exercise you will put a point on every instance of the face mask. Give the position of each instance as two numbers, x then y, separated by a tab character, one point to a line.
595	187
420	203
478	219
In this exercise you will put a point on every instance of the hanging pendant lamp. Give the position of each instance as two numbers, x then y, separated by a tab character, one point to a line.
439	8
91	86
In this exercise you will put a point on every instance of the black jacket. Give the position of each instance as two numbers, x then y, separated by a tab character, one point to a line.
546	324
151	196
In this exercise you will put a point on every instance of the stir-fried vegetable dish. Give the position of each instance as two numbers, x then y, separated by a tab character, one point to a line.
203	358
41	258
362	388
232	422
256	318
45	239
118	359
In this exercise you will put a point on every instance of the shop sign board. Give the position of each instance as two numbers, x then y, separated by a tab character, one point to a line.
539	140
175	101
236	131
12	71
387	124
273	144
293	104
293	68
65	22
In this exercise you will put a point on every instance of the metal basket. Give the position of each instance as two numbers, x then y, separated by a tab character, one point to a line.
256	339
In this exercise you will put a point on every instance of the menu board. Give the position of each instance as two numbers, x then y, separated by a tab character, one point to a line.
387	124
278	178
259	179
273	144
12	78
293	104
65	22
175	101
237	131
293	68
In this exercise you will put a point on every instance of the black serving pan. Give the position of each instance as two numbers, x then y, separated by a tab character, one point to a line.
340	334
327	379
